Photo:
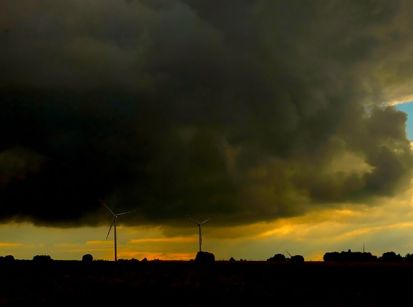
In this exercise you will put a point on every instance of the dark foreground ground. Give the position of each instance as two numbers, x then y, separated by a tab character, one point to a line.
73	283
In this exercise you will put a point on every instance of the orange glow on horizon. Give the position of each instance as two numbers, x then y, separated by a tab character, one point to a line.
156	255
165	240
10	244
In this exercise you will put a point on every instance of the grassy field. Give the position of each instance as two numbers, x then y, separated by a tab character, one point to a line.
223	284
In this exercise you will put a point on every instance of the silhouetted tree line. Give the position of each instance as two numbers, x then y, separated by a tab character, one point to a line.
349	256
346	256
209	258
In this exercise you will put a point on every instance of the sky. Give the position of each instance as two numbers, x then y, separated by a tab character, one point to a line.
408	109
283	122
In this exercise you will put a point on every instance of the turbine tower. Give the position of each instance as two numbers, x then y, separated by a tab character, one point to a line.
115	216
199	224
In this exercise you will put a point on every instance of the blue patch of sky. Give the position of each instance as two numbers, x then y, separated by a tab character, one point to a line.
408	109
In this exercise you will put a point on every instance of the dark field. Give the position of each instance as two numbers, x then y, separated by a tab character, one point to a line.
186	284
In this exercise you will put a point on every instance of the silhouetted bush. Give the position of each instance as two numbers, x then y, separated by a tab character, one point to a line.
204	258
297	259
391	257
145	260
277	258
232	260
331	256
408	258
7	259
42	259
88	258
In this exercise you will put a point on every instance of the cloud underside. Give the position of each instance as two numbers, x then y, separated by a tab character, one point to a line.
238	111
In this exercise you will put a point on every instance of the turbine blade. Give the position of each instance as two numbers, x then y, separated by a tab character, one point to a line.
123	213
204	222
110	210
110	228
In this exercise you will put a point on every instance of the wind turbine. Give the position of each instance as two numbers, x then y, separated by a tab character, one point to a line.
199	224
115	216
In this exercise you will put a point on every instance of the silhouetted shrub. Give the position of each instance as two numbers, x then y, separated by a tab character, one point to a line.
331	256
145	260
277	258
88	258
7	259
297	259
204	258
232	260
408	258
42	259
391	257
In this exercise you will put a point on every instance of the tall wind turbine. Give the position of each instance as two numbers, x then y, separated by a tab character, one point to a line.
199	224
115	216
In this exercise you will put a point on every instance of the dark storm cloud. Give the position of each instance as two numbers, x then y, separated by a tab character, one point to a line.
240	110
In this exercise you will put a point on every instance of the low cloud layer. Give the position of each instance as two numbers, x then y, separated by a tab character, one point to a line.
239	111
